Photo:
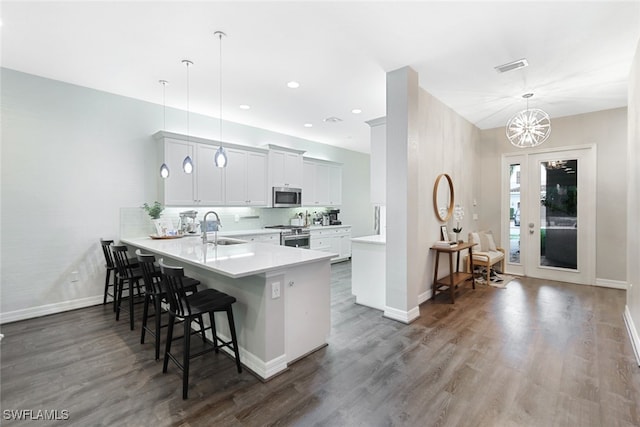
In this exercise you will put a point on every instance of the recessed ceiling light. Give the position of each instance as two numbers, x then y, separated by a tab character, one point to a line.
308	125
293	84
332	119
245	107
356	111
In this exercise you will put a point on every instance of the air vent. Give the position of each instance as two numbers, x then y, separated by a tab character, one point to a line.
332	119
520	63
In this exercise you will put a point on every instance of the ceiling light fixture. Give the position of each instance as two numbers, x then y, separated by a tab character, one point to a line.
308	125
293	84
187	163
245	107
220	158
164	169
528	128
356	111
332	119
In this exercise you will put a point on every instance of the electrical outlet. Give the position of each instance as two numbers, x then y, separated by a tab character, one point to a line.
236	218
475	217
74	276
275	290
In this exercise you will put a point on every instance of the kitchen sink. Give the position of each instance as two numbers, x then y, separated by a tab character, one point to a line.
226	242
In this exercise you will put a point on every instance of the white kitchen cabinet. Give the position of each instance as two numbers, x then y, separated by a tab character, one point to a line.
285	167
335	185
179	187
271	238
333	239
209	179
378	163
322	183
245	178
203	186
309	183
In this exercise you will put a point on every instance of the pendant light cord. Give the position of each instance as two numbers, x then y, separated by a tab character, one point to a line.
220	89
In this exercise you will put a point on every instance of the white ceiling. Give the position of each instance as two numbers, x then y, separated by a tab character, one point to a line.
579	55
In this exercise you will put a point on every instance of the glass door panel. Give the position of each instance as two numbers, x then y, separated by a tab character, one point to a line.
514	213
559	213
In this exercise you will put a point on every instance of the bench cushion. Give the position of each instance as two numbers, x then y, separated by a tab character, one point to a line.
494	256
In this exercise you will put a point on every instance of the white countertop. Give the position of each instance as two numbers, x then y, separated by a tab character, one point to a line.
375	239
233	261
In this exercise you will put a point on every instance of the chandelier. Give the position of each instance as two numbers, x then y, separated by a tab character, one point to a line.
528	128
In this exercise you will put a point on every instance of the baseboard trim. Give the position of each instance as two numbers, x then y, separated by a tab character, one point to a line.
615	284
425	296
44	310
633	333
263	370
400	315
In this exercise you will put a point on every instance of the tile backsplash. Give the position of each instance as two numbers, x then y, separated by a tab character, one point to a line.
134	221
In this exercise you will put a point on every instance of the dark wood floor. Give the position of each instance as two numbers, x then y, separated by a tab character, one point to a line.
534	354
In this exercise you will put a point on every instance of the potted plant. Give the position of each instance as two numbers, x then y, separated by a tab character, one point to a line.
154	210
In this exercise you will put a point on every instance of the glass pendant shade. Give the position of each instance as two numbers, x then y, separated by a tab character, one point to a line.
187	165
164	171
220	158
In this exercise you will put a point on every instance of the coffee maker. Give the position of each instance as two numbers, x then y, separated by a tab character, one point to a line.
333	217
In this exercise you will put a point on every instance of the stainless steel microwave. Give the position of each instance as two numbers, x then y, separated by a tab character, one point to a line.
286	197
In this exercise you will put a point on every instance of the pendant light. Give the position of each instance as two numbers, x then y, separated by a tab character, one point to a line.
164	169
220	158
528	128
187	164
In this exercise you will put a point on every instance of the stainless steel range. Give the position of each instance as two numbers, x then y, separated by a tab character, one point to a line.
294	236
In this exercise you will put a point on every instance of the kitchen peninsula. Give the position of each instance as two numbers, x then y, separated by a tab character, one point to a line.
282	311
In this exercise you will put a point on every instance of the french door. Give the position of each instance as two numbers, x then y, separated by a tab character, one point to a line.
548	220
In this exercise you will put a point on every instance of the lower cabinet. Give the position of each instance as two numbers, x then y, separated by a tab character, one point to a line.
336	240
271	239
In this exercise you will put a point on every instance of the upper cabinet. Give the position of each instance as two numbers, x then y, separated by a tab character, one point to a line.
246	178
285	167
179	187
209	179
322	184
242	183
378	161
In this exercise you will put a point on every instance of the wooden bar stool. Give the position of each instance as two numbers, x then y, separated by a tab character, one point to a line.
188	307
154	295
128	279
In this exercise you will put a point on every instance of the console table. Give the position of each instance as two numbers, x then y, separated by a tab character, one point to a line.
454	278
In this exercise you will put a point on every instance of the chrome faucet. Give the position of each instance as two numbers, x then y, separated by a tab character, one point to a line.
215	228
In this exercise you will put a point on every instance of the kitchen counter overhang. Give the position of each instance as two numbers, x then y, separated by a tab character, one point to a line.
234	261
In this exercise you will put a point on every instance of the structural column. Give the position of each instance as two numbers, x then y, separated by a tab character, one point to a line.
402	268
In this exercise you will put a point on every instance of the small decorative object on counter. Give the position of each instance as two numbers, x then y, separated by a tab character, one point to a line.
154	210
458	214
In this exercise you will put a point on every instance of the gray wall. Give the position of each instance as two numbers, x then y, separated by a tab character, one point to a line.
607	130
633	220
72	157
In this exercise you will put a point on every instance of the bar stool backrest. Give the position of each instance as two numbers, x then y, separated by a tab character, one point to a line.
106	250
151	275
121	260
174	287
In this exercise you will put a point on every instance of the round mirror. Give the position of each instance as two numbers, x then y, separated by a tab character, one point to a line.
443	197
